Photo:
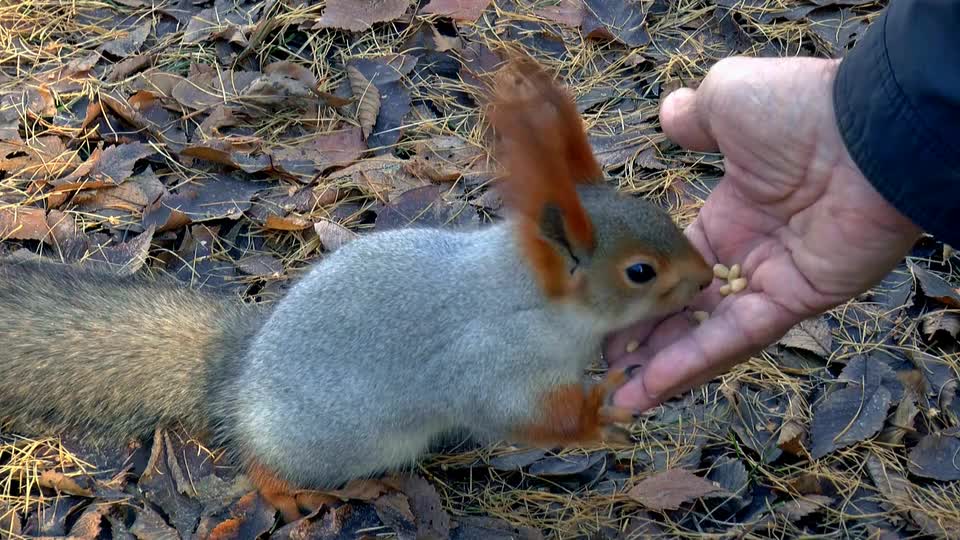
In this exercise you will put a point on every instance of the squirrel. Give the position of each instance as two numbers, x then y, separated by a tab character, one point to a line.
387	344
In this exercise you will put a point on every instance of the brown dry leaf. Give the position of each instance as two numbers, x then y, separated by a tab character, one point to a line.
123	259
240	153
44	158
368	100
128	66
671	488
221	116
62	484
458	10
442	159
898	493
70	77
935	287
811	335
902	422
261	266
394	510
381	178
620	21
286	223
848	416
200	200
793	431
432	521
319	153
23	223
936	456
803	507
217	23
130	42
360	15
333	235
40	101
87	526
566	12
941	321
63	227
112	166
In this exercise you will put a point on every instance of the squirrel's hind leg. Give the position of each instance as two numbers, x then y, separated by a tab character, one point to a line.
571	414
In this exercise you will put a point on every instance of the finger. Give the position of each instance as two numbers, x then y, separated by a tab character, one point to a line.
713	347
685	123
664	334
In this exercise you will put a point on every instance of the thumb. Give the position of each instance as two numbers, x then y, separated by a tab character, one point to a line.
684	123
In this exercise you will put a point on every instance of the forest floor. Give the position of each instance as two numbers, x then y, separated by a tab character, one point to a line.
233	142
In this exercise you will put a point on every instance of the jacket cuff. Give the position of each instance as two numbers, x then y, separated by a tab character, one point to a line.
884	114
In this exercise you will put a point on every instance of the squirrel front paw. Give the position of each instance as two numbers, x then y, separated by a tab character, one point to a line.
573	415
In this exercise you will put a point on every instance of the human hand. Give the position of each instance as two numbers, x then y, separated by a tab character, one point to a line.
793	209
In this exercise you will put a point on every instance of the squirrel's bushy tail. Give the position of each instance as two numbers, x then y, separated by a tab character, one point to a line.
111	357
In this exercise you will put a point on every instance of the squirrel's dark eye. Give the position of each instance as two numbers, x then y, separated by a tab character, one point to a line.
640	273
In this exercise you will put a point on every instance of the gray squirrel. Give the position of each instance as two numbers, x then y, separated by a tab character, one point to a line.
388	343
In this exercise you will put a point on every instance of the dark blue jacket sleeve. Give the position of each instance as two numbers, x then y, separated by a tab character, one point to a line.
897	100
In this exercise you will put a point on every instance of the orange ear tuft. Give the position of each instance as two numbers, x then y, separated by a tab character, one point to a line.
543	148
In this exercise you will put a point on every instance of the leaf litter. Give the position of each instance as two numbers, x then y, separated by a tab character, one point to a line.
230	143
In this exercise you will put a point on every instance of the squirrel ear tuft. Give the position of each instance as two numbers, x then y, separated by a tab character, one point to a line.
542	145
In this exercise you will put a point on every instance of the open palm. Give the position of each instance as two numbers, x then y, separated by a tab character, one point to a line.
793	209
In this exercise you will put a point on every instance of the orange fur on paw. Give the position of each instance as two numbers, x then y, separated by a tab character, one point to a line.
276	492
574	415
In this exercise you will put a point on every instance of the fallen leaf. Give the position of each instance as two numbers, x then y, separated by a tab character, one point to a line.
793	431
565	465
620	21
902	422
260	265
217	22
897	492
731	475
394	511
811	335
368	100
39	159
936	456
287	223
758	420
424	206
944	321
385	73
935	287
671	488
360	15
116	163
131	41
847	416
487	528
61	483
124	259
23	223
202	199
458	10
514	461
871	371
442	159
802	507
333	235
128	66
565	12
360	490
431	519
87	526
